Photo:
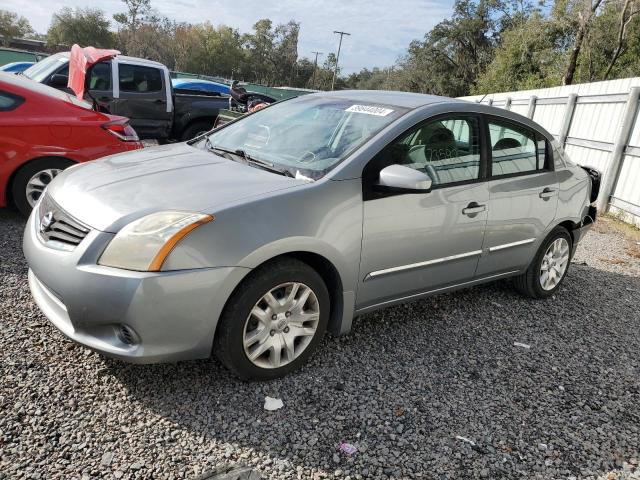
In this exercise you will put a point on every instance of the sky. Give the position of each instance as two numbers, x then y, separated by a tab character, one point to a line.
381	30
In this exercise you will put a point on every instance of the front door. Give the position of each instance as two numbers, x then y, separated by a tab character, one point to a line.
100	86
142	97
523	196
413	243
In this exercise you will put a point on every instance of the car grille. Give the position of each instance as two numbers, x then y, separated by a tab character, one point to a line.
57	228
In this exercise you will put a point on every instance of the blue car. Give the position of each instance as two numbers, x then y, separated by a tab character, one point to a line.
199	85
16	67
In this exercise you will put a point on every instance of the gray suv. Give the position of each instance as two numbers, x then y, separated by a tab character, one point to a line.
253	240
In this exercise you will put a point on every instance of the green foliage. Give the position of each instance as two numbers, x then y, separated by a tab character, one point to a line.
526	59
84	26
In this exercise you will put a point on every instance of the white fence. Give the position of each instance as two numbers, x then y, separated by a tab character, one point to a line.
598	125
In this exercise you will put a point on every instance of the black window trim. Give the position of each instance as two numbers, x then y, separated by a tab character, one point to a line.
483	172
17	101
503	121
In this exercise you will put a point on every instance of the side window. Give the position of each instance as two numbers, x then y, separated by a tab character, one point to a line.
136	78
9	101
448	150
100	76
515	149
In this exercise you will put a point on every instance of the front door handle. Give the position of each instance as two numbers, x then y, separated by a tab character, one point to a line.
473	209
547	193
159	101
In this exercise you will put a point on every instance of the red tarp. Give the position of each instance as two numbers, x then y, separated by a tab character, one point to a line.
80	61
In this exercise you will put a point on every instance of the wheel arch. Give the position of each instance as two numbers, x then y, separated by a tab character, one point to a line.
339	317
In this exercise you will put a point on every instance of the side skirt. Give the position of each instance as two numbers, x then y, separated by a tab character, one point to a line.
428	293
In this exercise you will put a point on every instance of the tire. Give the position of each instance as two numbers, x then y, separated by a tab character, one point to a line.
196	129
238	321
48	168
531	282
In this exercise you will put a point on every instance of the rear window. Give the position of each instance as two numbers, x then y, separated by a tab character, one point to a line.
137	78
9	102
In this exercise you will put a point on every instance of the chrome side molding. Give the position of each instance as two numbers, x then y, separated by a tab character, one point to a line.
411	266
512	244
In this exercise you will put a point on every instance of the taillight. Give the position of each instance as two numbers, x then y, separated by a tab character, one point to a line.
122	130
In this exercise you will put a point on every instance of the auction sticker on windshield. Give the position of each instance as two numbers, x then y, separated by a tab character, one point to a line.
369	110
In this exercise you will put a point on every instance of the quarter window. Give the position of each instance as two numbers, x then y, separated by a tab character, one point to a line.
447	150
515	150
136	78
9	102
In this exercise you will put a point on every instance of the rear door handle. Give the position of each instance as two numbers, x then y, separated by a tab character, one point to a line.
473	209
547	193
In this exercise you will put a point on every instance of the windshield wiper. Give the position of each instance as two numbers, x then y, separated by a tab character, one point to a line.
249	159
263	164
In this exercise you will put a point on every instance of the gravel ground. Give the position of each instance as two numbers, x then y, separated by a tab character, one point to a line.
434	389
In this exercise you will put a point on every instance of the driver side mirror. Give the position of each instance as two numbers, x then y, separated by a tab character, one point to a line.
58	81
401	179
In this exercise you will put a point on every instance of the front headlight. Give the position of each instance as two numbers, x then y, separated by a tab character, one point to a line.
144	244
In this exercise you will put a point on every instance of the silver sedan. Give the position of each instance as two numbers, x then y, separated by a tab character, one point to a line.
253	240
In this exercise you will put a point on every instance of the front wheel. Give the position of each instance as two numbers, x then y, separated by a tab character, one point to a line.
548	268
32	179
273	321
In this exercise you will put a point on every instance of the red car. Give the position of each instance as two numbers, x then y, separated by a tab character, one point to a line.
43	131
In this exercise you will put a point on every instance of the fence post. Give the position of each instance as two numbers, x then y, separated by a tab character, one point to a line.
617	155
507	104
566	121
532	106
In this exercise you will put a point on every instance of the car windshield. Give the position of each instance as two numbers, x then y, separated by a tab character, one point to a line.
307	136
45	67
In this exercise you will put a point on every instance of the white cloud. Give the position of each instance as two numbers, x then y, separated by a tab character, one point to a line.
380	30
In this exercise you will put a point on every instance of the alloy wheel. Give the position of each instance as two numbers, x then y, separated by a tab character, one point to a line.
281	325
37	184
554	263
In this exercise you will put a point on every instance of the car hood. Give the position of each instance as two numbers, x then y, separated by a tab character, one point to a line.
106	194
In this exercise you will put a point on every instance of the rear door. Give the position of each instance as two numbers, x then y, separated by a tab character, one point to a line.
142	94
523	196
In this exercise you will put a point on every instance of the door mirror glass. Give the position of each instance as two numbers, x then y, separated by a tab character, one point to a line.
403	179
58	81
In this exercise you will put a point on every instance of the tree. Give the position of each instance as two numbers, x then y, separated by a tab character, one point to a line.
630	8
581	15
13	26
130	23
84	26
526	59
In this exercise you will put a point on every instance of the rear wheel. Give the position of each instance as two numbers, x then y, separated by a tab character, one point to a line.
32	179
273	321
549	267
195	130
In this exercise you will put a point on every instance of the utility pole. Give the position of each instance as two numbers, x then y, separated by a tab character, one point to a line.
335	70
315	67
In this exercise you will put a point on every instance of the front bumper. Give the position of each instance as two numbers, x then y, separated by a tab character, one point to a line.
173	314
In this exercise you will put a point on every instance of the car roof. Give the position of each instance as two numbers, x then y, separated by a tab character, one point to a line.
399	99
124	58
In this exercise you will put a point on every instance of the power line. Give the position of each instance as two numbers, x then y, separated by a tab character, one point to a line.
335	70
315	67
